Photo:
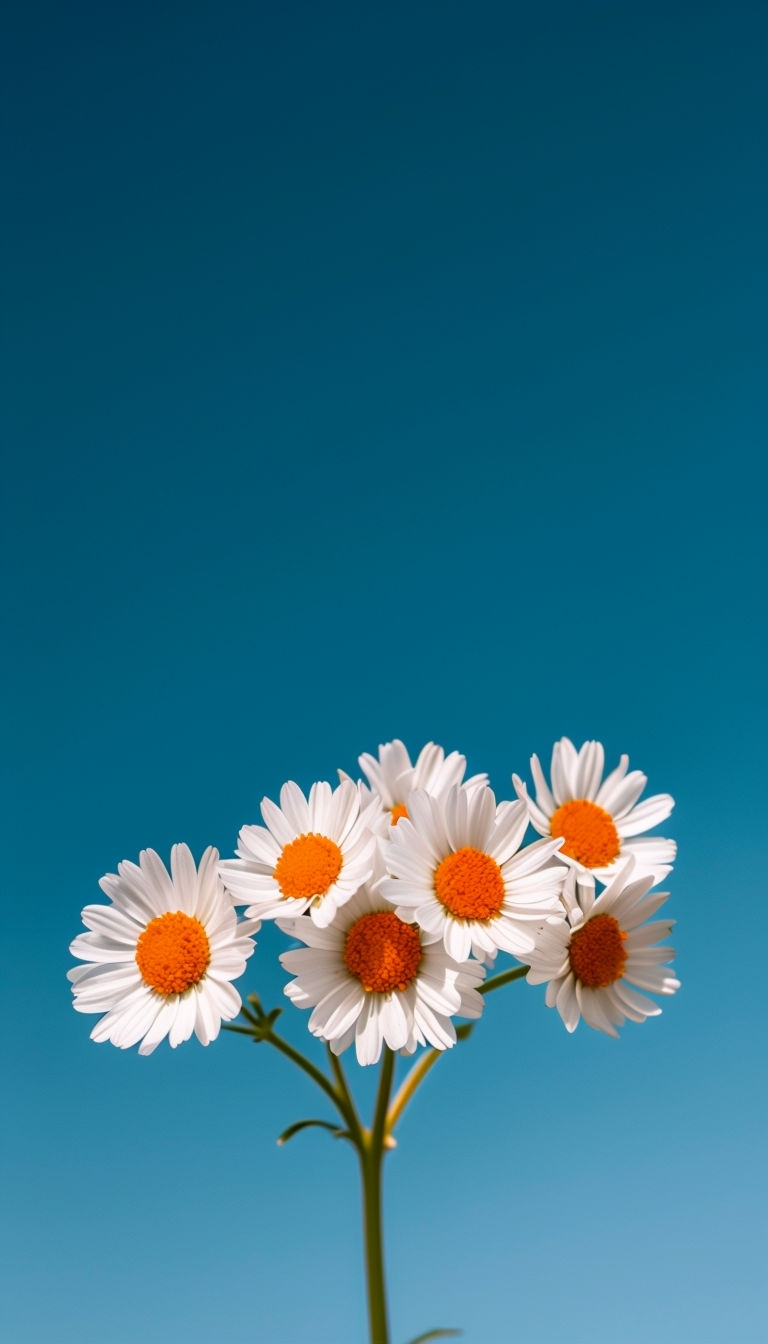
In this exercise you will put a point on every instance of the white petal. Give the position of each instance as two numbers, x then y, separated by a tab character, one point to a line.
590	770
184	875
646	815
277	823
567	1004
544	797
184	1022
611	785
457	937
622	795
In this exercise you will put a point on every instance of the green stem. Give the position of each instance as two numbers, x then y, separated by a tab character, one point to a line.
416	1076
371	1160
339	1100
370	1144
382	1098
422	1066
355	1126
504	978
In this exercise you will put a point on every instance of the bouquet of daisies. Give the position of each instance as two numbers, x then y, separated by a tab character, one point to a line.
396	895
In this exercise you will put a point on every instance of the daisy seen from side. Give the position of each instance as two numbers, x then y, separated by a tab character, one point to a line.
312	855
375	979
161	958
392	778
599	819
455	866
596	957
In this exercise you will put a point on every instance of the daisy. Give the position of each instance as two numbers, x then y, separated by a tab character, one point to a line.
392	777
592	957
375	979
456	867
597	817
162	955
313	854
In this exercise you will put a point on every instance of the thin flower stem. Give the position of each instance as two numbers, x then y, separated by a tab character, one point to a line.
504	978
354	1122
340	1101
370	1149
382	1099
407	1088
422	1067
371	1161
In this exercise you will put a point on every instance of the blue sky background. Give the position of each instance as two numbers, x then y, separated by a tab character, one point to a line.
372	371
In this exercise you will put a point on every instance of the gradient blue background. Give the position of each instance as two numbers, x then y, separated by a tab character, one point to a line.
371	371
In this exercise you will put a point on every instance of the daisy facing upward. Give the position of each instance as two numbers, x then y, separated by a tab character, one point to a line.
456	867
598	819
162	955
313	854
375	979
594	959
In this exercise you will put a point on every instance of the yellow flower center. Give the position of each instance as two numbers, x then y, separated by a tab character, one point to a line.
597	952
308	866
383	952
469	885
173	953
590	834
396	812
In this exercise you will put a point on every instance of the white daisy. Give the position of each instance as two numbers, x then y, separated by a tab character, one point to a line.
162	955
598	818
591	958
313	854
456	867
392	778
374	979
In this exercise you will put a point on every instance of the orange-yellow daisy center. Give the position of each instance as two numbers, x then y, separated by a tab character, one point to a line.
590	834
383	952
469	885
308	866
173	953
597	952
396	812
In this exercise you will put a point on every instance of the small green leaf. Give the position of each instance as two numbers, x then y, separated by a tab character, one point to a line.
306	1124
433	1334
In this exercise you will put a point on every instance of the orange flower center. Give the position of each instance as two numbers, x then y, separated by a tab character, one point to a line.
396	812
469	884
590	835
308	866
383	952
173	953
597	953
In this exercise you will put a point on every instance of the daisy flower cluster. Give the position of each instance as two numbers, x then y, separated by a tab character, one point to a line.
398	891
599	950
